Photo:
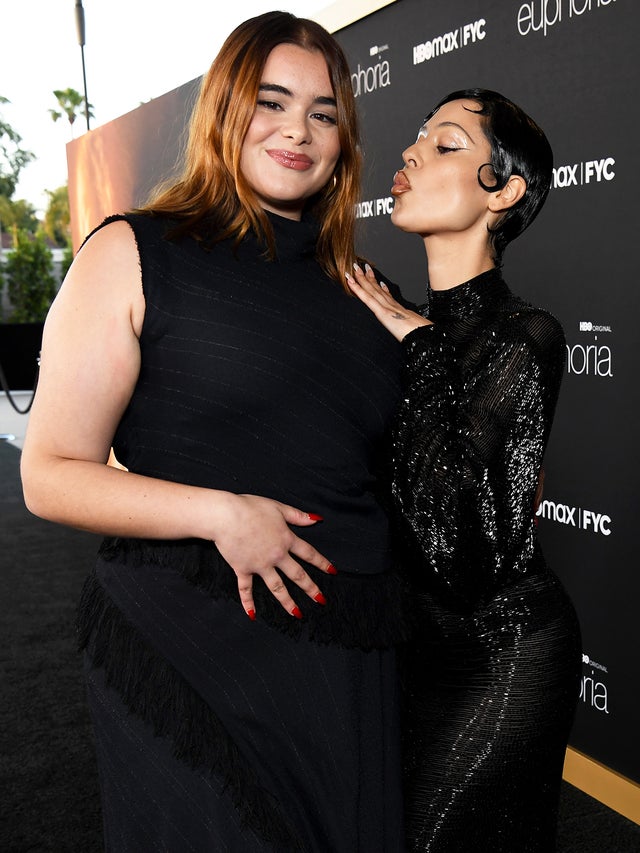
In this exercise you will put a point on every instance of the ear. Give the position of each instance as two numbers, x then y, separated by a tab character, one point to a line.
510	194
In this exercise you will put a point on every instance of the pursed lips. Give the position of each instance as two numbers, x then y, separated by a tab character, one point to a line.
291	160
400	183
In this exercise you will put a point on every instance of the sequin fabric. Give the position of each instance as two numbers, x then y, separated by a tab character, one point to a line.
491	677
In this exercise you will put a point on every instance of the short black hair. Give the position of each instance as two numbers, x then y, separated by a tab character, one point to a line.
518	147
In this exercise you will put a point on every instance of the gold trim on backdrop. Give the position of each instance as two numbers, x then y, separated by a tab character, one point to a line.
344	12
610	788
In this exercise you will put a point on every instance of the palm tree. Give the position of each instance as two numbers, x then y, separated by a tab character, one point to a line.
71	104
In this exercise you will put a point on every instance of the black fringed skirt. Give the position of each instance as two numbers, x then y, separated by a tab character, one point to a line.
217	733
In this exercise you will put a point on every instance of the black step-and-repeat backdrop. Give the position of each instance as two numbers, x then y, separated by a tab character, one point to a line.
572	64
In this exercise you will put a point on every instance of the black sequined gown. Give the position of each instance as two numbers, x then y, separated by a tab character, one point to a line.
491	681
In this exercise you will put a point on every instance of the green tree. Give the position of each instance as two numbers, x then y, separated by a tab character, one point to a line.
57	219
18	214
13	158
71	104
30	280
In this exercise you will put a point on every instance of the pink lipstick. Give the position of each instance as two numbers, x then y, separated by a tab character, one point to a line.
298	162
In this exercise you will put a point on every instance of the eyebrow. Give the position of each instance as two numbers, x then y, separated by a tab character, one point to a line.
282	90
459	126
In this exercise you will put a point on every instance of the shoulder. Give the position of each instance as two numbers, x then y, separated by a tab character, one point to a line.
140	227
113	239
128	243
532	325
394	288
106	272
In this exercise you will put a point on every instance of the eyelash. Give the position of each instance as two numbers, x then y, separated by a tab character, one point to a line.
270	105
322	117
443	149
326	119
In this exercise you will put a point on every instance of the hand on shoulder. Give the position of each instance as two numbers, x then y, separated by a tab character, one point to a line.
394	317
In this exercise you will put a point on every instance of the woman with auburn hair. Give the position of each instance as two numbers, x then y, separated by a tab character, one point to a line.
492	675
240	624
213	179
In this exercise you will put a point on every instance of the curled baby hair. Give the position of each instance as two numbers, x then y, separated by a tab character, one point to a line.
518	147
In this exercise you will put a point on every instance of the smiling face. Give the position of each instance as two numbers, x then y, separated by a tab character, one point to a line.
437	192
292	145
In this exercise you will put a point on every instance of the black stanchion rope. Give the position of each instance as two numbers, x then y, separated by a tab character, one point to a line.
7	391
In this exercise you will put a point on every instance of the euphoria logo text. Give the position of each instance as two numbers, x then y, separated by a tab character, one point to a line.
369	79
537	15
590	360
594	692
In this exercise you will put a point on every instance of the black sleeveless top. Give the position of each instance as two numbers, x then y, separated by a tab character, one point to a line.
265	377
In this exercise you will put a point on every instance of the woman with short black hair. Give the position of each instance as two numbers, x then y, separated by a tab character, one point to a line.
491	677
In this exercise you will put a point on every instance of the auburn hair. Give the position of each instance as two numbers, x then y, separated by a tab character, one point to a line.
210	199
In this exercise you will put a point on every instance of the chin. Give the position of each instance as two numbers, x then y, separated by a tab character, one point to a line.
396	219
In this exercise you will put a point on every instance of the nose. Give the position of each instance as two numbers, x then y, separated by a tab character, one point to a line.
410	156
297	129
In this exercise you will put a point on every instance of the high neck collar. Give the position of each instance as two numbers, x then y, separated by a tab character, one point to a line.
294	238
479	294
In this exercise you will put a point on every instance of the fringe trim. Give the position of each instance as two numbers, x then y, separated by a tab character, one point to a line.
362	611
174	710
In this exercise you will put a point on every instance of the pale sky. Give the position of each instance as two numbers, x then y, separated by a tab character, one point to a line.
135	50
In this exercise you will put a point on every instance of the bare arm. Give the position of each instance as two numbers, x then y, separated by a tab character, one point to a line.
89	367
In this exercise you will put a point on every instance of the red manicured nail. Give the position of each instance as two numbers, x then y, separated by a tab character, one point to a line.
320	598
315	517
331	569
296	612
252	615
